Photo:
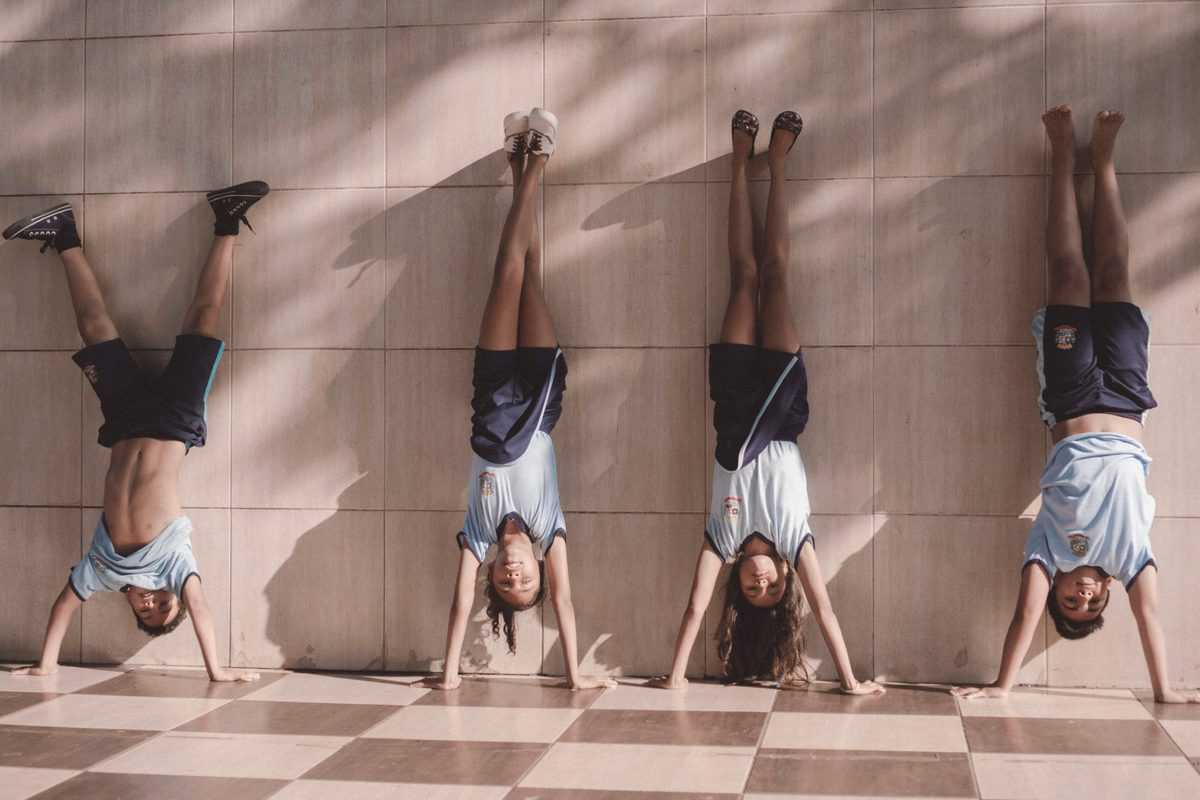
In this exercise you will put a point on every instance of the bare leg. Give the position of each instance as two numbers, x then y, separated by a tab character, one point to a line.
1110	237
498	330
205	311
536	326
741	312
91	314
1069	283
778	327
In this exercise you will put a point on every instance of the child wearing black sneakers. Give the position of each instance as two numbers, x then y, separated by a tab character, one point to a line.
1093	343
142	542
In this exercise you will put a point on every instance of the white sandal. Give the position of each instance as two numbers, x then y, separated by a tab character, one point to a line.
543	132
516	134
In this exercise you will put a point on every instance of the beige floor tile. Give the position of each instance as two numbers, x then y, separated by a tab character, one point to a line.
723	7
908	733
829	227
156	17
1186	734
276	15
646	768
950	629
19	782
981	399
466	724
113	712
654	85
970	105
370	790
1024	777
45	19
625	264
355	688
308	587
1094	704
422	562
310	108
1099	64
204	479
66	680
630	435
110	635
958	260
225	755
308	429
315	276
432	12
628	632
429	428
45	150
40	547
488	70
1170	436
158	138
1113	656
698	697
441	248
622	9
148	251
818	65
41	422
35	308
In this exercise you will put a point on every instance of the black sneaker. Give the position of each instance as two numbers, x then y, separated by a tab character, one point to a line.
44	226
231	204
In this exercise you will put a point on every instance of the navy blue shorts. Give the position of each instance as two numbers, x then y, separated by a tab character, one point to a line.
135	403
761	397
517	393
1094	360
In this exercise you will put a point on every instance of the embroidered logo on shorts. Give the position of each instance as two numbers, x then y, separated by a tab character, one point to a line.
1079	543
1065	337
92	374
487	484
733	507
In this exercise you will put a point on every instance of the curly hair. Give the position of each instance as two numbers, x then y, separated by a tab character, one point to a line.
762	643
498	608
1070	629
165	627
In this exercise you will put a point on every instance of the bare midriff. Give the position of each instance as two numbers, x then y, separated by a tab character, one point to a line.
140	491
1097	423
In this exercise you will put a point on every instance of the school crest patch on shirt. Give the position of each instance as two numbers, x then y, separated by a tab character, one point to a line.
1079	543
1065	337
487	484
733	507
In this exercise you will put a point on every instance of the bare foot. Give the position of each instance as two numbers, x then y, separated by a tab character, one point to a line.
1104	137
1060	128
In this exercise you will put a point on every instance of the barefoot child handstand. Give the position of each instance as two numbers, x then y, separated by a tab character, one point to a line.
519	378
1094	524
759	509
142	543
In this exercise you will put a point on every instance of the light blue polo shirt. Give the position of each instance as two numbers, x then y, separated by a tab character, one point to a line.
164	563
1096	510
527	487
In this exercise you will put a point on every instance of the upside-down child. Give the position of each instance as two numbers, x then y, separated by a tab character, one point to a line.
758	516
519	380
142	545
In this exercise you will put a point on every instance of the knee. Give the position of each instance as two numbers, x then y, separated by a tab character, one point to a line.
202	318
774	277
744	274
510	269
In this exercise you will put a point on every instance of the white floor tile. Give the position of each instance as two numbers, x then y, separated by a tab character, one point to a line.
913	733
225	755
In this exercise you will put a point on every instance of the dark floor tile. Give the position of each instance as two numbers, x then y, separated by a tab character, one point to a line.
62	748
412	761
601	794
846	772
300	719
1108	737
898	700
177	683
694	728
1168	710
15	701
510	694
111	786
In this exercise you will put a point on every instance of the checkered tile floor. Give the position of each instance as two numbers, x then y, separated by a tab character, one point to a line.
103	734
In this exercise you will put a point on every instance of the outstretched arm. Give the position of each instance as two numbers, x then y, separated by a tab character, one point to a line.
60	619
708	567
202	624
809	571
460	614
564	609
1031	602
1143	599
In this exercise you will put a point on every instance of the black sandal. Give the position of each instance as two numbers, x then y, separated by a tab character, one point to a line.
788	121
745	122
